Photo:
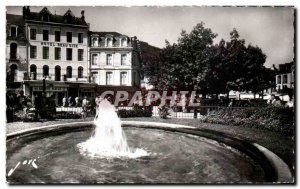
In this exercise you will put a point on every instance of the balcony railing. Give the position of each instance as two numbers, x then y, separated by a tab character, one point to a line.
52	77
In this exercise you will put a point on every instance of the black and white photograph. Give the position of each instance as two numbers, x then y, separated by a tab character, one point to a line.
150	95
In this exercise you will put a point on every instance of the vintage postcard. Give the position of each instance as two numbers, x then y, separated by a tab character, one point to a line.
150	95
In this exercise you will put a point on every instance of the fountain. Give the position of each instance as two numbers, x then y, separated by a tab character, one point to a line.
99	152
108	139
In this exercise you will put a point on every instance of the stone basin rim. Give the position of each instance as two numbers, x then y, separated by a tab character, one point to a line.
283	172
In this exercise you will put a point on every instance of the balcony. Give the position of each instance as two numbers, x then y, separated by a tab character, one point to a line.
52	77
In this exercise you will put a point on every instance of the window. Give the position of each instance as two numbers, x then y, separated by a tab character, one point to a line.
33	34
80	54
45	52
80	72
123	42
109	42
108	78
123	59
57	36
279	79
33	71
57	53
45	70
69	37
285	78
69	54
13	31
45	35
80	37
69	72
95	77
14	71
57	73
95	42
32	51
134	78
45	17
108	59
123	78
94	59
13	51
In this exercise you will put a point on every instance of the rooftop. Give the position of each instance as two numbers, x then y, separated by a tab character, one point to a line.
15	19
46	16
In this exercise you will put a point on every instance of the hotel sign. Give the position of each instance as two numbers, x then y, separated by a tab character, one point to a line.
54	44
52	89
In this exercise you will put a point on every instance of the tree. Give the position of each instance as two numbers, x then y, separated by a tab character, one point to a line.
247	65
184	65
235	62
150	59
255	79
218	70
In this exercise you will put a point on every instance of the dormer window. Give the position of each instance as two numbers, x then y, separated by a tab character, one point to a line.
95	42
45	14
69	17
123	42
46	18
109	42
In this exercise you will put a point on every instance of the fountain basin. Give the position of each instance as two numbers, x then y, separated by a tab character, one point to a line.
178	154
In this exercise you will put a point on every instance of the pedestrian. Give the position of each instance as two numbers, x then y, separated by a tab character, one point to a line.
64	101
276	102
272	99
84	107
70	101
77	104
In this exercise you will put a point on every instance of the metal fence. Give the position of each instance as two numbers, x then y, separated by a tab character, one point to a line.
194	112
188	113
69	109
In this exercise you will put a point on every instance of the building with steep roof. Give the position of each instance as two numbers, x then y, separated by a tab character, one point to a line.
45	46
58	55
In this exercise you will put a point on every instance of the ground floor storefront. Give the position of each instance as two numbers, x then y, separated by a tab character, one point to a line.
58	90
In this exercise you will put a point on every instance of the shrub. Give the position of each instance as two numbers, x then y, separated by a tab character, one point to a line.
279	119
135	113
163	112
67	115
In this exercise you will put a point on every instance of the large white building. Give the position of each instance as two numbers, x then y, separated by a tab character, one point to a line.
114	61
45	46
58	46
58	55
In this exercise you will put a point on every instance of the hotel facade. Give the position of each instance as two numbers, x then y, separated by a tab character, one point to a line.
114	61
58	55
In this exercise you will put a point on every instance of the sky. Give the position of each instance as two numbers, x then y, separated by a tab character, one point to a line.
270	28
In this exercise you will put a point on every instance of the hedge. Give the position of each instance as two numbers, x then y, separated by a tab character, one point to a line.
279	119
135	113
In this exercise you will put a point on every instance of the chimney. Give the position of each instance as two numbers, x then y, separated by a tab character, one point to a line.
24	12
82	15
